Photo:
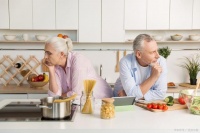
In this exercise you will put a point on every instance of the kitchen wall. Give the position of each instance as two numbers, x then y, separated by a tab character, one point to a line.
105	53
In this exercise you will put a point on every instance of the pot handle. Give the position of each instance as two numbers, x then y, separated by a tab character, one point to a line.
43	106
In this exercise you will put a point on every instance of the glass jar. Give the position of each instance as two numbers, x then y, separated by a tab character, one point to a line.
87	101
107	108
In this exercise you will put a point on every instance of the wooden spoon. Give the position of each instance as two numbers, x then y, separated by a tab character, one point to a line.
65	100
198	82
117	65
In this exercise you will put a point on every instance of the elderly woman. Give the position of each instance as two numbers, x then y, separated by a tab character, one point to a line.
68	70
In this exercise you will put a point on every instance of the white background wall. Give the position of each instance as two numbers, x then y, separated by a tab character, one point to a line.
105	56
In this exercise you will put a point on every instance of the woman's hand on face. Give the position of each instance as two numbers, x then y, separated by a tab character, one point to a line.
48	64
156	70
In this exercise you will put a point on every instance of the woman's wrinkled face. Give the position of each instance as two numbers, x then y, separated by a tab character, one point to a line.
149	54
51	56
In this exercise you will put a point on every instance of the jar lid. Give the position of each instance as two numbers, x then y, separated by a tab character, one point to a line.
108	100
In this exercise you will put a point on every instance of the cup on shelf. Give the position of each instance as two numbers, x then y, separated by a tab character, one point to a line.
25	37
157	37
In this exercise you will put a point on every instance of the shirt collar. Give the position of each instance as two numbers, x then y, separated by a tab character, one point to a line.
133	64
69	57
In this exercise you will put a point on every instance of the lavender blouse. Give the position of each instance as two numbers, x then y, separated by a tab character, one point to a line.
78	69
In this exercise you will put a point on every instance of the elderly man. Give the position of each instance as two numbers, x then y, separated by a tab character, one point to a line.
143	74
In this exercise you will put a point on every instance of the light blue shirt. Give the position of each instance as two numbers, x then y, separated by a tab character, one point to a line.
130	79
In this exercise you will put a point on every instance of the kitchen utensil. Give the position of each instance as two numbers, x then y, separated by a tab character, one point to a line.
198	82
194	37
157	37
176	105
117	64
55	110
124	52
176	37
37	84
9	37
25	37
188	85
65	100
41	37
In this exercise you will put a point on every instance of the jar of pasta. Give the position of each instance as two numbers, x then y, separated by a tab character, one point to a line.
107	108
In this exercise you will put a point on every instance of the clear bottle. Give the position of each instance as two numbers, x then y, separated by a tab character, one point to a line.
87	102
107	108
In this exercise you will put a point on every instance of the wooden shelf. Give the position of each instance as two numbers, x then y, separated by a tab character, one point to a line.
160	42
10	73
26	41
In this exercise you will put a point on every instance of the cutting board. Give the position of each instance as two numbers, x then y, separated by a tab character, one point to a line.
188	85
176	106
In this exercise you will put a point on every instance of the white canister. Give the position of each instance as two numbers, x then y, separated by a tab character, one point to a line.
25	37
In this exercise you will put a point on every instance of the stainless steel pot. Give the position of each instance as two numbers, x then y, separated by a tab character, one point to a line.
56	107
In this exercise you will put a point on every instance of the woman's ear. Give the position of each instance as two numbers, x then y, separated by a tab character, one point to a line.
62	54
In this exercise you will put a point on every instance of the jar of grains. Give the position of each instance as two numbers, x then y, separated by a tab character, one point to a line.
107	108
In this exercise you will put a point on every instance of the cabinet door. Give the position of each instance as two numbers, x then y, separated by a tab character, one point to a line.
135	14
181	14
20	14
169	94
196	14
43	14
113	21
158	14
89	20
13	96
37	96
4	15
67	14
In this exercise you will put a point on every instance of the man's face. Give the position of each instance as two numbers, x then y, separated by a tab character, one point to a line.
149	54
51	55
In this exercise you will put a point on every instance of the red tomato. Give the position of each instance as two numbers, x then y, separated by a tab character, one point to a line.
181	100
165	108
160	106
149	105
154	106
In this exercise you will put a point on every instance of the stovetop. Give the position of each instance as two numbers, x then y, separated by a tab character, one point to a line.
31	112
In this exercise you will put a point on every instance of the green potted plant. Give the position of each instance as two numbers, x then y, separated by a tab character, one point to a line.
192	64
165	52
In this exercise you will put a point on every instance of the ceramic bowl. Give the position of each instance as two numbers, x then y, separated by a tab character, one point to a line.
176	37
9	37
157	37
41	37
37	84
192	101
194	37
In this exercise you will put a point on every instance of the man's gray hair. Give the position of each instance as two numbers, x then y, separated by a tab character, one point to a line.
139	41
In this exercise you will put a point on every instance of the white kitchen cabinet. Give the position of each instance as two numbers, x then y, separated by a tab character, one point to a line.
158	14
113	21
196	14
20	14
67	14
44	14
37	96
13	96
89	21
169	94
135	14
4	15
181	14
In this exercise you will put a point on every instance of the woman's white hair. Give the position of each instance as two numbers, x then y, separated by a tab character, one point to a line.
60	44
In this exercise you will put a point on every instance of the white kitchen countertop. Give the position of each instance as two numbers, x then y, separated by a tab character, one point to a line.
139	120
